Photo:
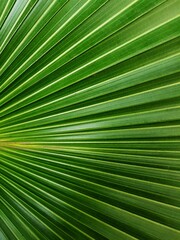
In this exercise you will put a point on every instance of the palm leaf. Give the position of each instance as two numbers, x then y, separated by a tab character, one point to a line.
89	140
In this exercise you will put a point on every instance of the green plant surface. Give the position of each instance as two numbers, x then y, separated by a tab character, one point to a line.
90	119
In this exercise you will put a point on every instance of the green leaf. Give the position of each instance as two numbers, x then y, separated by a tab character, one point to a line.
90	119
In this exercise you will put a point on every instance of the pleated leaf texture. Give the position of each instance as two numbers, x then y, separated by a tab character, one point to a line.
89	119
